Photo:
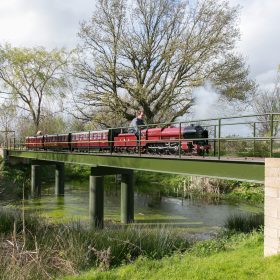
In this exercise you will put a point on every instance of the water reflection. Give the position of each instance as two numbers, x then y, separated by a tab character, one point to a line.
197	215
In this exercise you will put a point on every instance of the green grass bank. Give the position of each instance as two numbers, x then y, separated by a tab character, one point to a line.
240	257
32	248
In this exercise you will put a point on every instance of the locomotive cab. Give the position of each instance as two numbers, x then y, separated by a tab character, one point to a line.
196	132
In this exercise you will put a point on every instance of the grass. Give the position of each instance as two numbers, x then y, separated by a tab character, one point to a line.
241	257
245	223
210	259
49	251
40	250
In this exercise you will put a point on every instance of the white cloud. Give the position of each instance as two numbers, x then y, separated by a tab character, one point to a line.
260	41
267	79
50	23
55	23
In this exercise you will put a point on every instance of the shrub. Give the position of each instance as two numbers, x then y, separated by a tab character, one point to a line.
245	223
45	250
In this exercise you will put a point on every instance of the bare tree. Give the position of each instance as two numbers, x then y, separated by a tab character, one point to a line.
7	120
265	102
30	76
153	53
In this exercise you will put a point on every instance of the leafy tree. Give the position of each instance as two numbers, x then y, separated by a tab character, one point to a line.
31	76
153	53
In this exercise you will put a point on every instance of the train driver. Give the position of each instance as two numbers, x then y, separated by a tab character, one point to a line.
136	122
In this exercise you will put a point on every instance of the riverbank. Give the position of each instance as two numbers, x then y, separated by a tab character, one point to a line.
240	257
33	248
198	187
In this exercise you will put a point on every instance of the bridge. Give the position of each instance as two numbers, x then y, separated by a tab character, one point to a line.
244	148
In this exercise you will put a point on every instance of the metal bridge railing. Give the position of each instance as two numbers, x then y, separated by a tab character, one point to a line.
252	136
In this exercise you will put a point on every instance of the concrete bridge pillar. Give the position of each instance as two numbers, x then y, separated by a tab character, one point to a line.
96	195
59	179
35	181
127	198
272	207
96	200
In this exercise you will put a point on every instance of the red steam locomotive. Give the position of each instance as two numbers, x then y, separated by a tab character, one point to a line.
193	140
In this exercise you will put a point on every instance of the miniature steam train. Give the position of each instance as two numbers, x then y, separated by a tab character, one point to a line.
193	140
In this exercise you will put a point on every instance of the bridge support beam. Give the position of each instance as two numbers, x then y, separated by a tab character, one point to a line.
272	207
127	198
96	200
35	181
96	195
59	179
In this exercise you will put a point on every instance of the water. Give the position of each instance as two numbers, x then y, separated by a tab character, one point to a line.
194	215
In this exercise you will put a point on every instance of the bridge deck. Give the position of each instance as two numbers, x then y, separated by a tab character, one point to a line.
243	169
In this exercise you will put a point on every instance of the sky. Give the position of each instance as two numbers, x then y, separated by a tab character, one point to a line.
260	40
55	23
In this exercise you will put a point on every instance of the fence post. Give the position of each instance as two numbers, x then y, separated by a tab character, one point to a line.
254	134
139	142
180	127
219	139
271	135
215	135
89	142
14	140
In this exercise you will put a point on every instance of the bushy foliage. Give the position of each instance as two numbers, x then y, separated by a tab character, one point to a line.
12	180
67	249
250	192
77	171
245	223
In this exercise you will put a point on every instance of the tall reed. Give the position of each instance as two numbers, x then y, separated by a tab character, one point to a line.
245	223
51	250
